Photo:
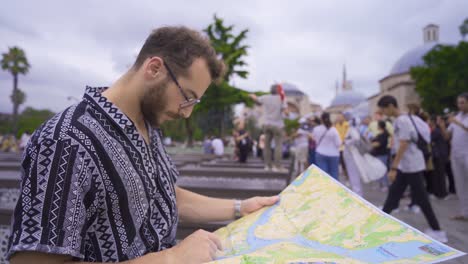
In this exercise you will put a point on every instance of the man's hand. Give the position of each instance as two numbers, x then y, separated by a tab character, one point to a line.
253	204
199	247
392	175
253	96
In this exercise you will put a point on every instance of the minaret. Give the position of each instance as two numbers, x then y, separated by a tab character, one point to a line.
431	33
344	81
337	87
346	85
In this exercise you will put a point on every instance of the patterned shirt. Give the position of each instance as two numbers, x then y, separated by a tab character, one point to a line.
93	188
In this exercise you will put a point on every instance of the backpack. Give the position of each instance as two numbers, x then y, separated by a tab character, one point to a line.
422	145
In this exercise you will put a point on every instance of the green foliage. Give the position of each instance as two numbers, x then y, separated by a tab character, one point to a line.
464	28
219	98
15	61
175	129
229	46
29	120
290	125
443	77
18	97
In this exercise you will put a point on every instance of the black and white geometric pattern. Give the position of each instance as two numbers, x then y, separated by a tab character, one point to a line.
92	187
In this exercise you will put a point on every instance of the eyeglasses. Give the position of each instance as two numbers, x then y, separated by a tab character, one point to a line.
189	102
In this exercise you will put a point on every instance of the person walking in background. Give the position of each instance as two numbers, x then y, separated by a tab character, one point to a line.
218	146
457	132
364	128
350	156
342	127
244	144
380	150
301	146
273	126
207	147
440	154
328	146
408	167
261	145
313	122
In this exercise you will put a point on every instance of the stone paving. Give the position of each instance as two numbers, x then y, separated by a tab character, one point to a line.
457	231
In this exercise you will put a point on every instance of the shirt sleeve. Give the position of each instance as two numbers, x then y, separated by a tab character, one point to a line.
405	127
261	99
50	216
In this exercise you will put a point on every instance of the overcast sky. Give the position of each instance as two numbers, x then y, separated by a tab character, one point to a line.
70	44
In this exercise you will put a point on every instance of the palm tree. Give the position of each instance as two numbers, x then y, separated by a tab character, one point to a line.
464	28
15	62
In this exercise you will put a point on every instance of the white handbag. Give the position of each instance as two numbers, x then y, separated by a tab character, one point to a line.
374	168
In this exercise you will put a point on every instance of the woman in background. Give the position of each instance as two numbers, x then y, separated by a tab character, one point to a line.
328	146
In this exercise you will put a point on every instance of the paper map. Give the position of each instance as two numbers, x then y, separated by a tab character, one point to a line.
318	220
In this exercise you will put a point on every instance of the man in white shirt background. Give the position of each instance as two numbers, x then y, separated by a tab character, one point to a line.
457	133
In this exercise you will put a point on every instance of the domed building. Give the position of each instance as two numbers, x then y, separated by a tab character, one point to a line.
346	99
399	82
298	102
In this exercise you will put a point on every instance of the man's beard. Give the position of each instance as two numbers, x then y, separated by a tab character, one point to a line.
154	102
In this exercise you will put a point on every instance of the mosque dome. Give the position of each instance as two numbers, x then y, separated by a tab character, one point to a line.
291	89
348	97
415	56
412	58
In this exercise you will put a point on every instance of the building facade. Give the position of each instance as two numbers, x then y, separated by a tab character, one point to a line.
399	82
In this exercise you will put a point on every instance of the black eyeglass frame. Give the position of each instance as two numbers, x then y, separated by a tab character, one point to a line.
189	102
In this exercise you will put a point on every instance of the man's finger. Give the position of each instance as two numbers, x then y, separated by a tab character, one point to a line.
269	200
216	240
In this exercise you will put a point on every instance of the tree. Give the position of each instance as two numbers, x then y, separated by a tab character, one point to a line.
219	98
443	77
15	62
30	119
464	28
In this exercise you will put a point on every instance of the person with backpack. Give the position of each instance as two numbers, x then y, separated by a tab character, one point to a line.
408	165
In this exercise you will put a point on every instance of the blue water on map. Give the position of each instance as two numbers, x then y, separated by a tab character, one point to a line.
386	252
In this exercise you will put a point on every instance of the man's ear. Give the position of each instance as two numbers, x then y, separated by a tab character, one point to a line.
153	67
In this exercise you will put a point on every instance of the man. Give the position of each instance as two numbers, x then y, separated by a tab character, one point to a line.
408	166
342	126
458	134
218	146
273	125
99	186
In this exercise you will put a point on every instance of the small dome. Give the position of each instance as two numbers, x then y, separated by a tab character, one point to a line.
291	90
412	58
348	98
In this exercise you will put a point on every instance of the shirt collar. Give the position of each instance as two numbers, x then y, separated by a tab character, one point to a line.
94	97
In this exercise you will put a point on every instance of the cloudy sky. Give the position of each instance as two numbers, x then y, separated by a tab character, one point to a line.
70	44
